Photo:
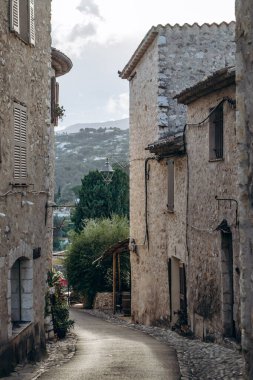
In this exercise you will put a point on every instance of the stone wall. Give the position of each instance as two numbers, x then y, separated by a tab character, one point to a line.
25	79
208	285
244	73
177	58
103	301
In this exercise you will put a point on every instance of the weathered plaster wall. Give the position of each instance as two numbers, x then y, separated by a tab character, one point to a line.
206	181
244	73
25	73
178	57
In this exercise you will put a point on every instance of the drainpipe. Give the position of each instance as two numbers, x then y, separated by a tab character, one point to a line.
146	199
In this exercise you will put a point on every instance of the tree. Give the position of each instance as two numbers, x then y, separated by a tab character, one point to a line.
100	200
85	277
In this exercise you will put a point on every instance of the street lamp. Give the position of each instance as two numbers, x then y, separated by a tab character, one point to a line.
107	172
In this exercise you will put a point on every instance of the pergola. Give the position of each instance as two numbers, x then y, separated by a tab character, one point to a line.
115	251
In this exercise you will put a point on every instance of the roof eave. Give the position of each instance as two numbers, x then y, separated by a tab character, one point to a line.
220	79
138	54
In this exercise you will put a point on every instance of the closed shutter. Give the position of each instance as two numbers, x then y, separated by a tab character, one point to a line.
31	23
20	143
170	205
14	16
53	99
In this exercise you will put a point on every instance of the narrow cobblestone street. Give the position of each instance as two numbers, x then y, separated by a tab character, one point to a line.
197	360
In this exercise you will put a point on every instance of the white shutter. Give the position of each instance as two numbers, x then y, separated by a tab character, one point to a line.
14	16
20	155
31	22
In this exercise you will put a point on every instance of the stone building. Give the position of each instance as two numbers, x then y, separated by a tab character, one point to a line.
168	60
212	227
27	66
244	80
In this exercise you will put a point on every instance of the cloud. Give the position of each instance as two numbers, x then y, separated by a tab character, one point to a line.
118	105
89	7
82	31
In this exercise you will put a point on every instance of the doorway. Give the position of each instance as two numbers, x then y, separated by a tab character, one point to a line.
227	284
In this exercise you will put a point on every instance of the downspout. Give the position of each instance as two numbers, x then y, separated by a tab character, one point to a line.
146	239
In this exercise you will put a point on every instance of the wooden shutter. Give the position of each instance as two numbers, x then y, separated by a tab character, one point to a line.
20	143
170	204
218	123
14	16
31	23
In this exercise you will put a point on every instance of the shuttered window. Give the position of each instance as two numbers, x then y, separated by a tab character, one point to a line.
22	19
14	10
31	23
170	204
20	143
216	134
54	100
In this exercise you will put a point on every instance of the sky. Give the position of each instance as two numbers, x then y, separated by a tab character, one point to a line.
100	36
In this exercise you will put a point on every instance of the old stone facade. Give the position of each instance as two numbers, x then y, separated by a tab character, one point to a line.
244	80
26	172
169	59
213	269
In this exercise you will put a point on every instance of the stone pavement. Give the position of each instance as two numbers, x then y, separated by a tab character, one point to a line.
197	360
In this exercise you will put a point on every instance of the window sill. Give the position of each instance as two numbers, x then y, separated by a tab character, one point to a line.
216	159
169	211
19	327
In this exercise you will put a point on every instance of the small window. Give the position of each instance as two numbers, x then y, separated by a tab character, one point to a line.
20	144
216	134
22	19
170	204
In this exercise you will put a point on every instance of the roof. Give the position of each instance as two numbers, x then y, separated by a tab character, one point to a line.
218	80
169	146
60	62
150	37
120	247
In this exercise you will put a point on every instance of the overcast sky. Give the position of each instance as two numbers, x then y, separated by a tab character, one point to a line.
100	36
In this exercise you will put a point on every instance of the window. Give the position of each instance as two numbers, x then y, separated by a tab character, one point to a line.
216	134
170	204
20	143
22	19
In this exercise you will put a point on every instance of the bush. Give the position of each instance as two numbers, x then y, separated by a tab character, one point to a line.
98	235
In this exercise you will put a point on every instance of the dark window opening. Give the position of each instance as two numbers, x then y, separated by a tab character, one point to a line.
216	134
170	204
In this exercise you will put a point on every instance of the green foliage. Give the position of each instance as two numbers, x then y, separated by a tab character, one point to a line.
88	245
59	307
100	200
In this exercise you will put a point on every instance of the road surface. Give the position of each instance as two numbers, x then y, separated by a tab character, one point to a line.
109	351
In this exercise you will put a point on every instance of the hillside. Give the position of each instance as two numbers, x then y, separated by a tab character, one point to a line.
75	128
78	153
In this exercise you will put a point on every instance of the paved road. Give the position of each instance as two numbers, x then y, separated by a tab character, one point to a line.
108	351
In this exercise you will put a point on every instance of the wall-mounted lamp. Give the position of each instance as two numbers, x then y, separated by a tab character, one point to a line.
2	215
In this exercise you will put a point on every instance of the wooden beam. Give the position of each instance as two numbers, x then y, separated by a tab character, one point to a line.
114	266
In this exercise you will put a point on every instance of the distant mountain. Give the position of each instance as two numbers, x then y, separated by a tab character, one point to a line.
75	128
78	153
